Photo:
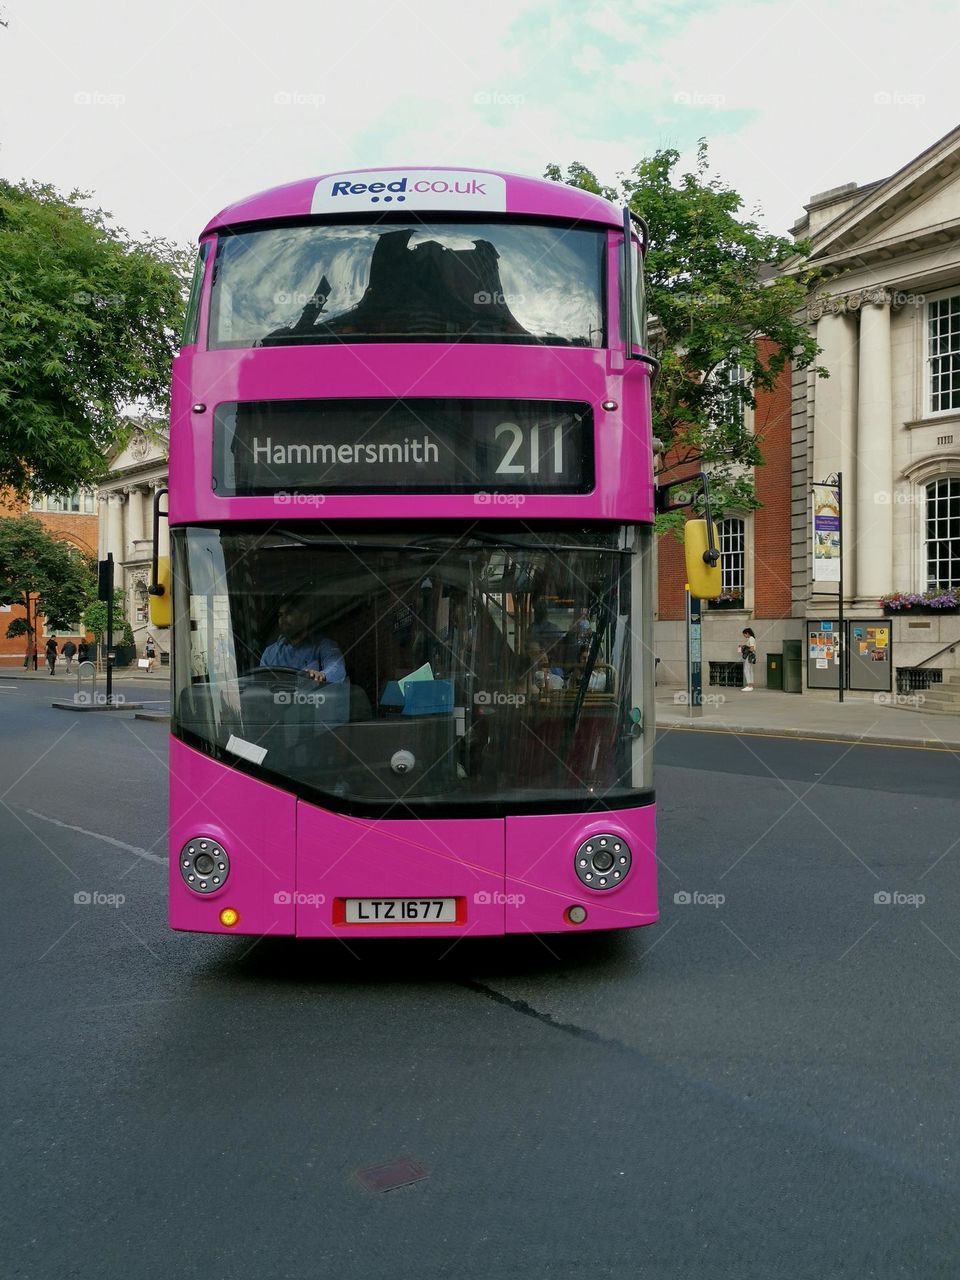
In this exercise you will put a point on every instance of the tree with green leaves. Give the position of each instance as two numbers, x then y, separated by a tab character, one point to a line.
713	294
89	319
45	576
95	618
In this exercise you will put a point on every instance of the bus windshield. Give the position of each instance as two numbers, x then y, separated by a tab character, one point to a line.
389	282
414	669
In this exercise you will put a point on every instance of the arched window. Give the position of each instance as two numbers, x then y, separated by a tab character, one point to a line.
732	544
943	533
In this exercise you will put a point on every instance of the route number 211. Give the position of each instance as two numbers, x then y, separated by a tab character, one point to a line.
526	446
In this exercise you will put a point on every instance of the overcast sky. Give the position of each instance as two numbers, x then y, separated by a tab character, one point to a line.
171	110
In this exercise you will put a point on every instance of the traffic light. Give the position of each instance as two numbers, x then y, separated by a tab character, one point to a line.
105	578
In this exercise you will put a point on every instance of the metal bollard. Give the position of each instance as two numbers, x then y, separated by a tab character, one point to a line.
86	698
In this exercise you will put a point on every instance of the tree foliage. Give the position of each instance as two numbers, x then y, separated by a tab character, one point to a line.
43	574
712	292
95	618
88	324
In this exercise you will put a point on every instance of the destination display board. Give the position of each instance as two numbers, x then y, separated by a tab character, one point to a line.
402	446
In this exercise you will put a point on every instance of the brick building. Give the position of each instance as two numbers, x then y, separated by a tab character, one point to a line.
73	518
755	558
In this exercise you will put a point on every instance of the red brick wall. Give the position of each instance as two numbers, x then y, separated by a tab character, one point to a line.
771	523
75	527
671	570
671	578
772	596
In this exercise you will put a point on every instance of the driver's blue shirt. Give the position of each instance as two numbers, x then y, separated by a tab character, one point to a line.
319	655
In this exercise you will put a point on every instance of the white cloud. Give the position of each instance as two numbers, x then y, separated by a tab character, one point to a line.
170	113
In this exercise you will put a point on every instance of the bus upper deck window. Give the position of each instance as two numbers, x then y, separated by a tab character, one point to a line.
191	321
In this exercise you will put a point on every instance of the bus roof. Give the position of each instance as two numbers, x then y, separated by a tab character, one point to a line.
424	190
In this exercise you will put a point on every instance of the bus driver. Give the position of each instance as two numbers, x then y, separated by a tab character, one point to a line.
314	655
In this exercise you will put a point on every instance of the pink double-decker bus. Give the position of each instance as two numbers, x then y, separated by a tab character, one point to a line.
411	506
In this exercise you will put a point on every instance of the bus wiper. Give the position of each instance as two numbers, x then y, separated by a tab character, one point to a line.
433	544
497	540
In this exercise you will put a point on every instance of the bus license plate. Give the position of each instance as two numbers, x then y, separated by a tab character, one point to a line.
400	910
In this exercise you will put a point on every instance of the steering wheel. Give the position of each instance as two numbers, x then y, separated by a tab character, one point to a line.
271	672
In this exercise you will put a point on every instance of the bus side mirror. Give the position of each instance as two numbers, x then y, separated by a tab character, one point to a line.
159	592
702	564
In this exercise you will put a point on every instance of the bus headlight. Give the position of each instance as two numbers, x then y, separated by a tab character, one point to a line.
603	861
204	865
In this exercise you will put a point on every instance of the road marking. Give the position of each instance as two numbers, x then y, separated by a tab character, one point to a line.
119	844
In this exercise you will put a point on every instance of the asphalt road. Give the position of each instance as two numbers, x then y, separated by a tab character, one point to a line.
763	1085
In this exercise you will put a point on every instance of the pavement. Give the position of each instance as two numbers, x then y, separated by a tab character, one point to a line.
62	676
882	718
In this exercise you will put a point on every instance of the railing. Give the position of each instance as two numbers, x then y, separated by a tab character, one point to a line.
951	646
912	679
728	675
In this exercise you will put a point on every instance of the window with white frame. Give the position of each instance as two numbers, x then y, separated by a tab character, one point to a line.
943	353
80	500
731	540
729	407
943	533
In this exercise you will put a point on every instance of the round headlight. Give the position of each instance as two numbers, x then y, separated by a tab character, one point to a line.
204	865
602	862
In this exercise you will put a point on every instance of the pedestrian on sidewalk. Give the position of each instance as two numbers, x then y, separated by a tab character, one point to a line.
69	649
52	654
83	652
748	652
150	652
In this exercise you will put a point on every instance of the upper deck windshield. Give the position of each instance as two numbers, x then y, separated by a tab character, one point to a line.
423	282
493	670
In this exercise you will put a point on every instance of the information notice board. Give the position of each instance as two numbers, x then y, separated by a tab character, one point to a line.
870	664
869	649
822	639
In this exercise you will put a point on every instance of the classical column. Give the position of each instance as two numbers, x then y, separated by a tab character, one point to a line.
835	417
134	518
874	543
115	526
163	538
102	518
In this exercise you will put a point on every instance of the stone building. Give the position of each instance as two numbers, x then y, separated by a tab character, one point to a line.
886	313
125	522
885	309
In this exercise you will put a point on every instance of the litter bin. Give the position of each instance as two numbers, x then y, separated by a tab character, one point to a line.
774	670
793	666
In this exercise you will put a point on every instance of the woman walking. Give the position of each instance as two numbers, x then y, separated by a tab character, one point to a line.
748	652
